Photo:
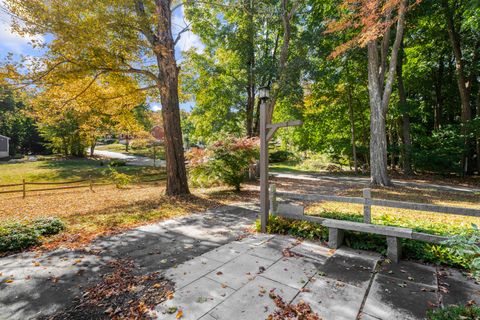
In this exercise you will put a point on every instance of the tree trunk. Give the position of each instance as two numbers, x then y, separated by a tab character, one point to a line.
462	82
352	121
438	95
390	136
405	118
92	147
379	94
378	134
478	138
127	142
251	76
177	183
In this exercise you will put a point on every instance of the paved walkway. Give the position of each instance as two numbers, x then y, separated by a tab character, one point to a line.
237	280
218	278
131	159
366	181
44	283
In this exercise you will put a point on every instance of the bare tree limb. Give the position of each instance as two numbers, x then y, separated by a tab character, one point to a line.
394	58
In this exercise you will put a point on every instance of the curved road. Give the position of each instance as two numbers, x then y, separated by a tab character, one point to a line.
366	181
129	158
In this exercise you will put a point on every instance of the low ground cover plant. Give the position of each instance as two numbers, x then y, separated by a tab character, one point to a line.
20	236
471	312
417	250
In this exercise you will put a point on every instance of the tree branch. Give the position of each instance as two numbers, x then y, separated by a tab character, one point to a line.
394	58
179	35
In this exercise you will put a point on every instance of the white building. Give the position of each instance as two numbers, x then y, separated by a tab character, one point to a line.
4	146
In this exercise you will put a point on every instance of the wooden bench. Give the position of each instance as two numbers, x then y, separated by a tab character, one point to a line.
336	230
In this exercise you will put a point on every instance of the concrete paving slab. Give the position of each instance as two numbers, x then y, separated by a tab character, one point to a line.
353	269
240	270
410	271
272	252
391	298
207	317
313	250
294	272
367	255
252	301
194	300
456	288
257	239
333	299
191	270
228	252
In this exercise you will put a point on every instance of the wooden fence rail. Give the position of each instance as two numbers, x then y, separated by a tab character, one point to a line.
337	227
368	202
63	185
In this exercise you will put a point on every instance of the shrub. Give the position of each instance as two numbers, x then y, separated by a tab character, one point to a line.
465	245
316	162
48	226
138	144
19	236
16	236
121	180
226	161
440	151
117	163
471	312
280	156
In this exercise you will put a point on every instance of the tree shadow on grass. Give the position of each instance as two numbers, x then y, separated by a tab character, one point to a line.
73	169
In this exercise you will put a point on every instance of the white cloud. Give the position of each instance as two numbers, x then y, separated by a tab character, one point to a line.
155	106
188	39
10	41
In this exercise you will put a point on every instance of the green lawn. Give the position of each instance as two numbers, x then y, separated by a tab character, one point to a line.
51	170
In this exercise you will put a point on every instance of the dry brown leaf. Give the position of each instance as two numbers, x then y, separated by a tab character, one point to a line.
179	314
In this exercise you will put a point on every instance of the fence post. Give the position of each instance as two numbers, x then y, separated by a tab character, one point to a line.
24	189
91	182
273	199
367	205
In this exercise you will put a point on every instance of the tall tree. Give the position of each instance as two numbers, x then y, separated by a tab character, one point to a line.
465	79
374	21
95	38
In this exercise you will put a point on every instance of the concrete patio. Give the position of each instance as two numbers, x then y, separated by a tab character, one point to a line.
235	280
218	277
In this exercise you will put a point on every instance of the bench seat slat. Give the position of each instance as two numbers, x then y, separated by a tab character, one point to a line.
369	228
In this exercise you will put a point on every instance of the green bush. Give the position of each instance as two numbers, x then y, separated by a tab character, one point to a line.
465	246
16	236
280	156
202	175
454	313
441	151
227	161
19	236
117	163
48	226
121	180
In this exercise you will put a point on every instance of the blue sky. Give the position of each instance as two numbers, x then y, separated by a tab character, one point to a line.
13	43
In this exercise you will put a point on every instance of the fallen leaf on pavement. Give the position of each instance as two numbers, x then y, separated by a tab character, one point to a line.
179	314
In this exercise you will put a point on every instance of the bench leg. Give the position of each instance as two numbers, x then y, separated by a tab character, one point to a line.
394	250
335	238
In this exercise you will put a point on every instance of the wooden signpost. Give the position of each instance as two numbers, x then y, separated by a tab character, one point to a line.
267	130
